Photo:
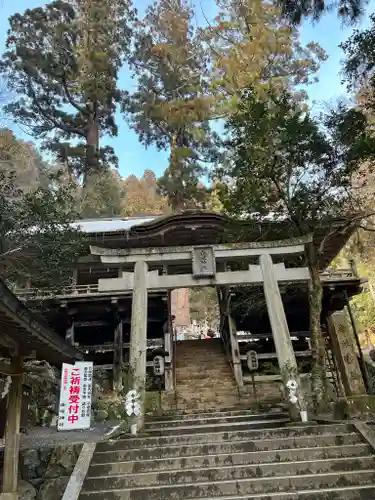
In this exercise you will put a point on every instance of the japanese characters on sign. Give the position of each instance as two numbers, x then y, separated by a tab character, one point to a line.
203	261
158	365
75	396
252	360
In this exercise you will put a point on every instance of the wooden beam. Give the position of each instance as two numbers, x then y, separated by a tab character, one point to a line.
10	369
273	355
108	346
12	433
254	336
81	324
109	367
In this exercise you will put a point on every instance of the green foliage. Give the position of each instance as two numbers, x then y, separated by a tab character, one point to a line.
24	160
295	11
359	63
37	243
170	107
104	197
62	62
284	164
251	45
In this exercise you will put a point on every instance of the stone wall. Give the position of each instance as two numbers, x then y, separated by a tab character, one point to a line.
44	382
45	472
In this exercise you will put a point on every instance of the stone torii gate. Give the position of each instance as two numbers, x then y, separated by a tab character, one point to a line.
204	261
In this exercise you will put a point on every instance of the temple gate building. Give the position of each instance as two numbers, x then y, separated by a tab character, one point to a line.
119	304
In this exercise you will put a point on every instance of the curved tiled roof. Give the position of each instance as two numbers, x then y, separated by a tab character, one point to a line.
194	227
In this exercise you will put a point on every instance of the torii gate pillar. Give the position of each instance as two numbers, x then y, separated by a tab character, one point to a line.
138	338
281	337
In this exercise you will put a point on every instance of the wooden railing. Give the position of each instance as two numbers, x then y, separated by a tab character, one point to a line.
87	290
47	293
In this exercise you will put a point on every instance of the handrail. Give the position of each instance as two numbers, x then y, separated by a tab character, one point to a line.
44	293
93	289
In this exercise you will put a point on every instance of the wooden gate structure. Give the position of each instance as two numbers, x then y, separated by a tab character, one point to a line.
116	306
265	263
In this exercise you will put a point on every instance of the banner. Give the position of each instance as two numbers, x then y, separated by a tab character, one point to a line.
75	396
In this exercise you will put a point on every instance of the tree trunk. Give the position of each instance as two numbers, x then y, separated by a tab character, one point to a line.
92	147
318	379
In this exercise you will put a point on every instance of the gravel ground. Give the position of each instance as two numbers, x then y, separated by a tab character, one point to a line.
38	437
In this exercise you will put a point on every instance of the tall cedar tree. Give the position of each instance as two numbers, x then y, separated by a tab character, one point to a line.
170	107
284	164
295	11
62	62
250	45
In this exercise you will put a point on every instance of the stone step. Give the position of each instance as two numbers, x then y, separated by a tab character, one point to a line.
233	487
218	419
225	459
163	452
229	447
219	426
214	414
228	435
208	359
207	362
229	472
207	392
189	407
203	381
349	493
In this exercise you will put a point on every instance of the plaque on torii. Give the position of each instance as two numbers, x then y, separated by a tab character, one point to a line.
204	263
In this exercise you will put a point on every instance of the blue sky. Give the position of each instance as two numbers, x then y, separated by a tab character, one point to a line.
134	158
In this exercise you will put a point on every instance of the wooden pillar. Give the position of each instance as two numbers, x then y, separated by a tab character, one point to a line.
117	350
281	336
75	278
168	346
138	339
236	357
69	334
226	318
345	354
12	434
235	349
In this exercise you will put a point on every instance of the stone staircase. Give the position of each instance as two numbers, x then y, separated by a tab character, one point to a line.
204	378
233	454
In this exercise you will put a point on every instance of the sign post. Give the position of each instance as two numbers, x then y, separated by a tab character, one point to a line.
253	365
159	370
75	396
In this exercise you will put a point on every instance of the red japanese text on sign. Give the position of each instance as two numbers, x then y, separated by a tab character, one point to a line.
75	397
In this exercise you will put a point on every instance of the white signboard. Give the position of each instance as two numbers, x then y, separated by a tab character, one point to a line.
75	396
